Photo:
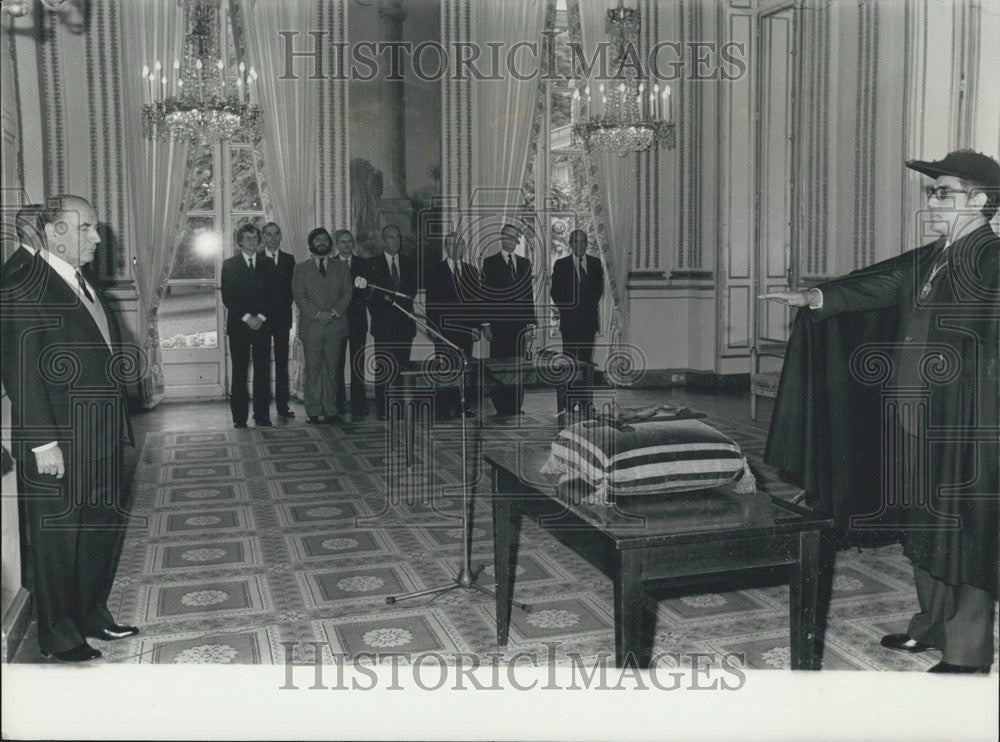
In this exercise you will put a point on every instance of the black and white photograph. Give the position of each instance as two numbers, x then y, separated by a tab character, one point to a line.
500	369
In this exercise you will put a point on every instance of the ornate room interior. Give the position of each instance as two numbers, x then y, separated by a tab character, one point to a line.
770	160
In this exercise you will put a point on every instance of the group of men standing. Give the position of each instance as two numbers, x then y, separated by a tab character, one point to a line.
336	291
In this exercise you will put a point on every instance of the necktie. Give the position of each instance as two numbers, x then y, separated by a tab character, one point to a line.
510	267
250	263
394	272
83	287
582	268
322	267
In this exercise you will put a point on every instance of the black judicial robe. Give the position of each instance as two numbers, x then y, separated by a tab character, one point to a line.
826	429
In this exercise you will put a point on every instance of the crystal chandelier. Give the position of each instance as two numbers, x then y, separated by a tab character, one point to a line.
198	101
623	115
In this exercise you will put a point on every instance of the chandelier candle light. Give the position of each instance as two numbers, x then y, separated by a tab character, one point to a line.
198	101
625	115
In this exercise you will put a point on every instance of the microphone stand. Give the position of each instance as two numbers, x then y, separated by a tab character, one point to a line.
466	579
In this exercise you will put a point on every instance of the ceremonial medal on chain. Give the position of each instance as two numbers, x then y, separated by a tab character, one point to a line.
929	283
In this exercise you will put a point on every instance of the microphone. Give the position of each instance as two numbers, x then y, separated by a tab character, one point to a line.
361	283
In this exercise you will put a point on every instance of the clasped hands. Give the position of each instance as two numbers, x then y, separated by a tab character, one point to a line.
254	323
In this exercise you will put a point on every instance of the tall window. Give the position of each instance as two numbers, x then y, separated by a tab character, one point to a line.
223	191
561	166
215	207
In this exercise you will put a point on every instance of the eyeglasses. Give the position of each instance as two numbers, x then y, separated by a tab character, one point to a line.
942	192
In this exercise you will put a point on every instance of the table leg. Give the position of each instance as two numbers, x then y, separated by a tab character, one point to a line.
802	602
501	558
628	606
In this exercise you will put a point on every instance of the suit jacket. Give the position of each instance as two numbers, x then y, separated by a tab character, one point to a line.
357	310
52	350
452	305
282	319
17	258
511	300
247	292
578	301
315	294
388	323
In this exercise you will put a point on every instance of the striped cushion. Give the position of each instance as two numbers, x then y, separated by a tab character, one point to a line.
653	457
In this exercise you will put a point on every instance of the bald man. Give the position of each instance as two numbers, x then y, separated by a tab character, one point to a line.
61	346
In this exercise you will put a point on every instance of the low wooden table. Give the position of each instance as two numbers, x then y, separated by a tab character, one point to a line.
670	537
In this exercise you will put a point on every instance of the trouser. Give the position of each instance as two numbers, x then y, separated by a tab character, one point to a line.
391	356
957	619
579	347
507	400
321	347
245	345
449	396
75	526
353	354
282	394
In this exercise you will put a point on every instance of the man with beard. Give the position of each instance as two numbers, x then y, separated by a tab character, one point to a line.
321	286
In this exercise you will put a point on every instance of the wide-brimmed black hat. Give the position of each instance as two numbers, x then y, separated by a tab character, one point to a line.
962	163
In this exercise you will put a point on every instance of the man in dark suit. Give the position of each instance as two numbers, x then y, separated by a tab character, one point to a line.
29	237
508	288
393	331
248	293
577	288
280	324
943	379
353	352
61	349
453	290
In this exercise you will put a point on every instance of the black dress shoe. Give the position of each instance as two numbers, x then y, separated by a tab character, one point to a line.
313	420
903	643
81	653
333	419
114	631
287	414
944	667
239	426
470	414
262	423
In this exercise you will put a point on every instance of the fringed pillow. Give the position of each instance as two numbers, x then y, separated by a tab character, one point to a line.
645	458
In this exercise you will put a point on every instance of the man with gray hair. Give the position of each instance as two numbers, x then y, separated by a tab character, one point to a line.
61	346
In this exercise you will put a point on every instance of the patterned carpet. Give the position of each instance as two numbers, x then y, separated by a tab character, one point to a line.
245	539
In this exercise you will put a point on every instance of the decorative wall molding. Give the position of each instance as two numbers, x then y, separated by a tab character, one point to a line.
813	140
649	216
50	92
457	165
333	191
866	107
690	149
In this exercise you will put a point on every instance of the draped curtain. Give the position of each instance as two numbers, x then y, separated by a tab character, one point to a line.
154	31
613	192
504	109
290	112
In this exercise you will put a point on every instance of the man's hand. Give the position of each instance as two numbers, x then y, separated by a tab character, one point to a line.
50	461
254	323
360	282
794	298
